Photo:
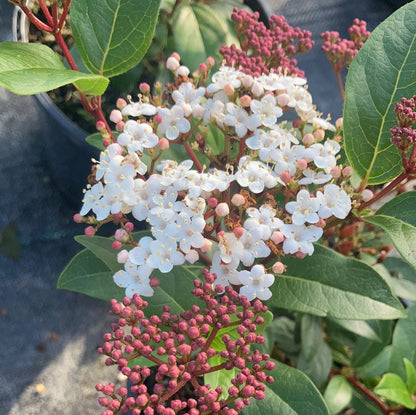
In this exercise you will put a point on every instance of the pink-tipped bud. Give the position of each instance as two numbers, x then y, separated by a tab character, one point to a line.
116	245
321	223
283	100
319	135
238	200
245	101
157	119
176	56
278	268
192	256
121	103
222	210
163	143
122	256
308	140
202	67
210	61
154	282
296	123
89	231
129	226
238	231
347	172
366	195
285	177
228	90
120	234
257	89
277	237
182	71
336	172
100	126
248	81
339	123
206	247
302	164
212	202
117	215
78	218
106	142
144	88
120	126
172	63
115	116
300	255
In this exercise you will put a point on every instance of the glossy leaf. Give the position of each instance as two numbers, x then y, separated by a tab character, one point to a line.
404	343
394	389
338	394
359	327
410	376
291	393
199	32
329	284
398	218
220	378
383	71
377	366
363	405
32	68
113	36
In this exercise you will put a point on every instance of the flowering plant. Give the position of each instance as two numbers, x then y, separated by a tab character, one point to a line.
279	227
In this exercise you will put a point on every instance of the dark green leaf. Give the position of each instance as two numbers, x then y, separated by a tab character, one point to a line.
9	242
337	394
291	393
359	327
363	405
394	389
114	35
383	71
31	68
404	342
329	284
377	366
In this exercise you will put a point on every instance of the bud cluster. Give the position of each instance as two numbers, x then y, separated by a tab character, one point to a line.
181	346
340	52
263	49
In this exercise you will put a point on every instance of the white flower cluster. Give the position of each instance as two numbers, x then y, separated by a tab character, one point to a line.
225	214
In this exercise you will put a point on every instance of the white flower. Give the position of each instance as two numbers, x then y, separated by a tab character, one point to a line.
312	176
120	176
135	279
255	175
136	136
277	82
188	97
255	283
304	209
253	246
263	220
323	155
225	75
265	112
236	117
190	232
173	122
299	238
287	157
231	248
164	255
226	273
135	109
105	157
334	201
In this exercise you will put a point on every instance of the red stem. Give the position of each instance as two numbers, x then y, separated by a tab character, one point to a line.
46	12
38	23
193	156
64	14
340	84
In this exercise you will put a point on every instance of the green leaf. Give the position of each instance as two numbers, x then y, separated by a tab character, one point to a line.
383	71
32	68
404	342
291	393
363	405
88	275
198	33
219	377
315	359
9	242
377	366
337	394
398	218
394	389
359	327
410	376
113	36
403	278
329	284
365	350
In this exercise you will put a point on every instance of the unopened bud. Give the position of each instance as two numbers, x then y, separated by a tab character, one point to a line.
116	245
285	177
336	172
115	116
121	103
222	210
122	256
277	237
247	81
163	143
257	89
283	100
339	123
238	200
278	268
366	195
144	88
182	71
308	139
212	202
206	247
245	101
100	126
229	90
78	218
238	231
89	231
319	135
120	126
172	63
302	164
192	256
210	61
347	172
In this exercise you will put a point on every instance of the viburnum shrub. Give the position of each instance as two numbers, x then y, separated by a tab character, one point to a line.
225	189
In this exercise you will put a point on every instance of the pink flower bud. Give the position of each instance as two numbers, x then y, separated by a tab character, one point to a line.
222	210
192	256
238	231
144	88
212	202
229	90
308	139
296	123
89	231
248	81
115	116
283	100
238	200
278	268
302	164
122	256
157	119
120	126
121	103
117	215
257	89
210	61
120	234
321	223
129	226
202	67
285	177
300	255
336	172
347	172
78	218
277	237
319	135
366	195
116	245
182	71
339	123
172	63
245	101
100	126
106	142
206	247
176	56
